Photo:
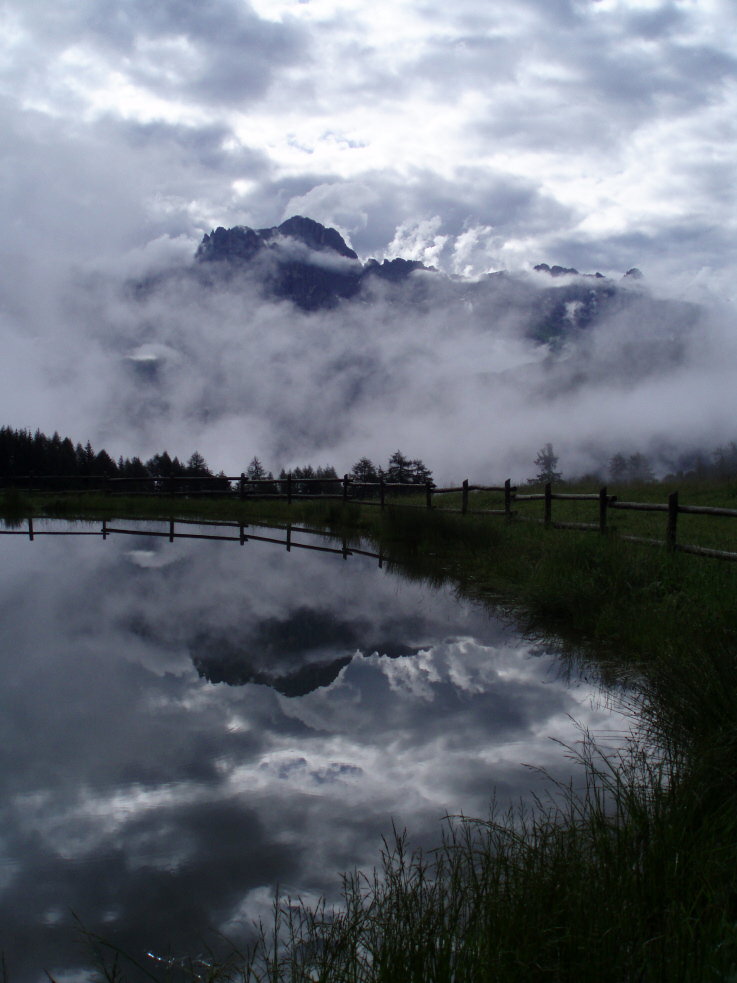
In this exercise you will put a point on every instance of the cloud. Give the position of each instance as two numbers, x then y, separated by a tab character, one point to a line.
199	797
216	52
177	361
571	130
479	138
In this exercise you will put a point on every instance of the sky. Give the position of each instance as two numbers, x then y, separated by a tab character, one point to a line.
474	136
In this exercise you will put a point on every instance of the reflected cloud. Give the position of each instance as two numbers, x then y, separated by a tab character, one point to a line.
154	801
148	559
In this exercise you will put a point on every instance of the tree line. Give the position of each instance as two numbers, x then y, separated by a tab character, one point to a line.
400	470
721	464
23	453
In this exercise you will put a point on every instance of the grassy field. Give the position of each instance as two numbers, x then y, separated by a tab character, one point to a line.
697	530
635	879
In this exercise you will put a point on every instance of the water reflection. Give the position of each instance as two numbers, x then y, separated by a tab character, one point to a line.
186	724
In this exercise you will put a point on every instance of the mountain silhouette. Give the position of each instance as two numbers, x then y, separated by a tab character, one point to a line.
312	266
299	260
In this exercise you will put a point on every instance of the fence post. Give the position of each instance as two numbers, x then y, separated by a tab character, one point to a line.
670	533
104	528
289	537
30	528
548	504
345	488
464	498
382	490
242	486
508	499
603	502
242	534
289	488
171	531
345	548
428	493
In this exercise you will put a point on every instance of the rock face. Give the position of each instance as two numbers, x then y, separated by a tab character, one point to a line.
299	260
313	267
557	270
395	270
574	304
241	244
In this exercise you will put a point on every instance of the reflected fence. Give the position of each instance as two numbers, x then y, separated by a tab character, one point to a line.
171	533
383	494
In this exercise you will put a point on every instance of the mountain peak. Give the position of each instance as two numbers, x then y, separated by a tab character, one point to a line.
241	243
313	234
556	270
318	274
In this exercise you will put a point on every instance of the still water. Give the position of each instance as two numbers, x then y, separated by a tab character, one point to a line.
187	724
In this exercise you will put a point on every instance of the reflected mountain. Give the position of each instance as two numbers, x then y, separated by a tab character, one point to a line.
156	805
294	655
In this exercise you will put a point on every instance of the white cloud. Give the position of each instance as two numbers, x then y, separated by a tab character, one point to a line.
473	137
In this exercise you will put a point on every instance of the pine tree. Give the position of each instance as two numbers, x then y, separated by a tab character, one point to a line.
420	473
364	470
546	462
617	469
638	468
255	470
197	466
399	469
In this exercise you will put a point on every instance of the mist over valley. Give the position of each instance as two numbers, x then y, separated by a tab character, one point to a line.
282	343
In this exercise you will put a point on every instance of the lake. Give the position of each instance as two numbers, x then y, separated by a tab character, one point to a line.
187	724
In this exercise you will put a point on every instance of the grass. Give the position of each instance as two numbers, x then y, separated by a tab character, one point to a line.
696	530
590	889
633	879
629	880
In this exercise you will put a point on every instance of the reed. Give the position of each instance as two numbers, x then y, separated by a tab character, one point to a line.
628	879
14	507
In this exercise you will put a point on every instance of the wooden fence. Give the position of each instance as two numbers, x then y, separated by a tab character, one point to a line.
171	534
380	493
672	508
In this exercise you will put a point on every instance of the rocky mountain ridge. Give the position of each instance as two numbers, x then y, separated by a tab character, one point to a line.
312	266
300	260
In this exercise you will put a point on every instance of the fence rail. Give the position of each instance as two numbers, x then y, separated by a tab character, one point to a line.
171	534
347	489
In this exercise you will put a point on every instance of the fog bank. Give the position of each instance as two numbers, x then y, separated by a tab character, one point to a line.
142	354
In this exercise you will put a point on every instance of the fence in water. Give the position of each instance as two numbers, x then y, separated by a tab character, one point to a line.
244	535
